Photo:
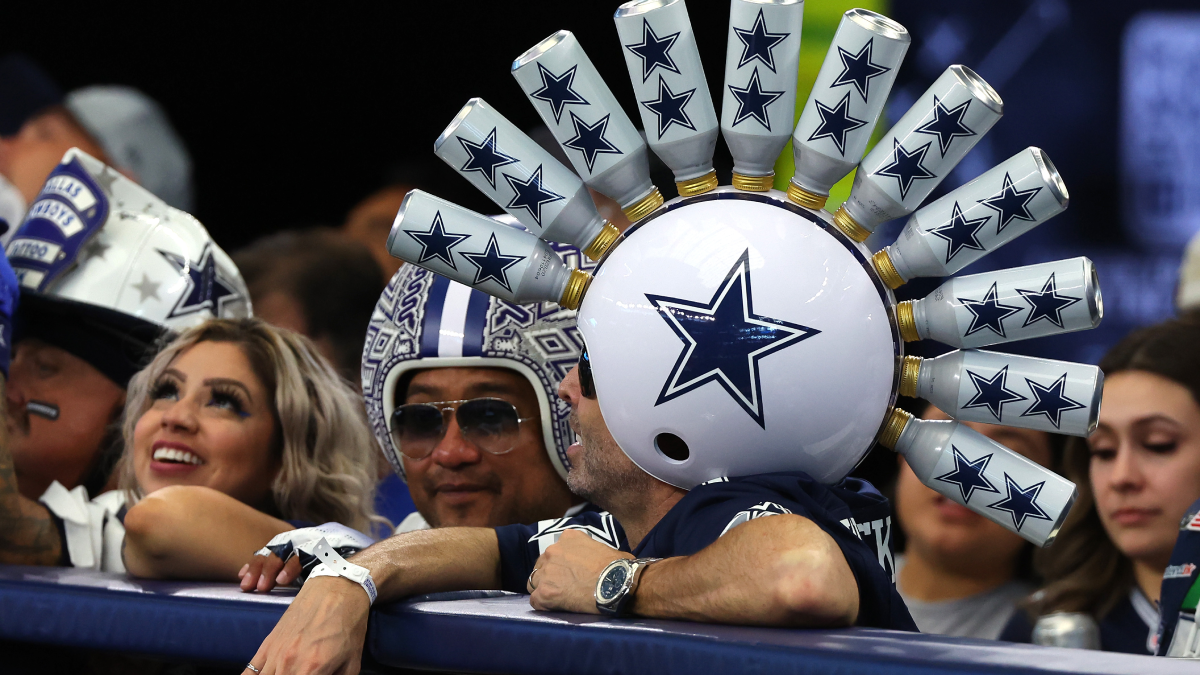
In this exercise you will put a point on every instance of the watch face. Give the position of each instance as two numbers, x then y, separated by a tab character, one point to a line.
613	582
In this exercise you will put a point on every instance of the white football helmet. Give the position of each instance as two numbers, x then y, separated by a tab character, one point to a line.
426	321
96	247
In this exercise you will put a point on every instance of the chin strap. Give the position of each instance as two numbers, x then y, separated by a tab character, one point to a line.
333	565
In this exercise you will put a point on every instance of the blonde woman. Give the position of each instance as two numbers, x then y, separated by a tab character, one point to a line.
236	431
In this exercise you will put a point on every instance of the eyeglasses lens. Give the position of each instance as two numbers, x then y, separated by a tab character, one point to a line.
491	424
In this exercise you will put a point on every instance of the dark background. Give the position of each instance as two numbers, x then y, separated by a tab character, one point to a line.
295	112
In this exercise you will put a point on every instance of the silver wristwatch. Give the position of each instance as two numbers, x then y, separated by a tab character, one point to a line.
617	583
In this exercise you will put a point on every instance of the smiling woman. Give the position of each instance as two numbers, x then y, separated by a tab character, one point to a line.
235	432
1137	475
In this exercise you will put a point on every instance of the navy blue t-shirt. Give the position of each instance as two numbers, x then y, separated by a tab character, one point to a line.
852	512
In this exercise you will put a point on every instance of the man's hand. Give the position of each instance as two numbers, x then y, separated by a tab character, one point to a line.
263	573
322	632
565	576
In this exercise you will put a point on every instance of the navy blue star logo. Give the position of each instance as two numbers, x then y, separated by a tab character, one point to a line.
968	475
724	340
492	264
757	43
590	140
906	166
437	242
556	90
836	122
1051	401
858	70
1047	303
1010	203
752	101
530	195
208	289
654	51
991	393
484	157
946	124
988	313
1021	503
669	107
960	233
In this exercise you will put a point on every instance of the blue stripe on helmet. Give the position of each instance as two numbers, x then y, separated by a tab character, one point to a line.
432	324
477	308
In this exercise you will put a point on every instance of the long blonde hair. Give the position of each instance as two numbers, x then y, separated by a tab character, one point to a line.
326	451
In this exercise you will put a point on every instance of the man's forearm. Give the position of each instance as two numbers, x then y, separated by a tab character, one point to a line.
432	561
781	570
27	532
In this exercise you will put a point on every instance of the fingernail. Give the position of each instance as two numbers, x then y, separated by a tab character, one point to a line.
281	578
245	568
262	583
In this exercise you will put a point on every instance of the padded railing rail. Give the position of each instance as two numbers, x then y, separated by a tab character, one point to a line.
488	632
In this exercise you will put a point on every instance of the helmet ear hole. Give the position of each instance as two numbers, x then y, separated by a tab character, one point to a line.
672	447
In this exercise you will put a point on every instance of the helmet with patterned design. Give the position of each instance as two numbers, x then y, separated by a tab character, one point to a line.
426	321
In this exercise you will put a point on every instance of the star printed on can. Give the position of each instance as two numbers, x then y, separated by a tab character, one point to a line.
530	195
991	393
947	124
1046	304
757	43
590	140
960	233
836	122
858	70
436	244
906	166
207	287
492	264
724	340
1021	503
988	313
753	100
655	52
968	475
1051	401
669	107
484	157
1010	203
556	90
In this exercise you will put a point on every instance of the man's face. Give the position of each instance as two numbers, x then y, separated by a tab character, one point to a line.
27	157
459	484
600	471
64	449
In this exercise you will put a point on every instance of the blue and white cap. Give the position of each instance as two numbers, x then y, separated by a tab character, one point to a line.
424	321
97	249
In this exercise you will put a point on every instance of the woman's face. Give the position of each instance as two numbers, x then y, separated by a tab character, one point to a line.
941	530
1145	462
210	424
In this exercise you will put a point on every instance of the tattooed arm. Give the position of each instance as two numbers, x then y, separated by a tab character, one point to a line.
27	532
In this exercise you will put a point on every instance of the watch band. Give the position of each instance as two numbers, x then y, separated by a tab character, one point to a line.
334	565
618	604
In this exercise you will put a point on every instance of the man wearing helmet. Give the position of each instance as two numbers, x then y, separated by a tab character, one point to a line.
106	269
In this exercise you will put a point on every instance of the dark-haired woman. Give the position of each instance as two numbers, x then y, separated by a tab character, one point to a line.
1137	475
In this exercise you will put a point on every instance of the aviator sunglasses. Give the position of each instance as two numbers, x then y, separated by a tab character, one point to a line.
587	386
490	424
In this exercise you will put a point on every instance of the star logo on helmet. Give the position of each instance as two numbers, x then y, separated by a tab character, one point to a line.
1051	401
556	90
968	475
991	393
207	287
492	264
724	340
654	51
757	43
1021	503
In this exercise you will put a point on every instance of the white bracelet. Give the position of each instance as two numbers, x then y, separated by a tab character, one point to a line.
334	565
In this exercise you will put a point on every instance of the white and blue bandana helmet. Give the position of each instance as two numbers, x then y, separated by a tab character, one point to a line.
424	321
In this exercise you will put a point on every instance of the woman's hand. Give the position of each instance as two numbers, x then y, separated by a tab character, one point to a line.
264	572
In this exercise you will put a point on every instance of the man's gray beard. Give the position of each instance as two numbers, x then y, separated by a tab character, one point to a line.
603	472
